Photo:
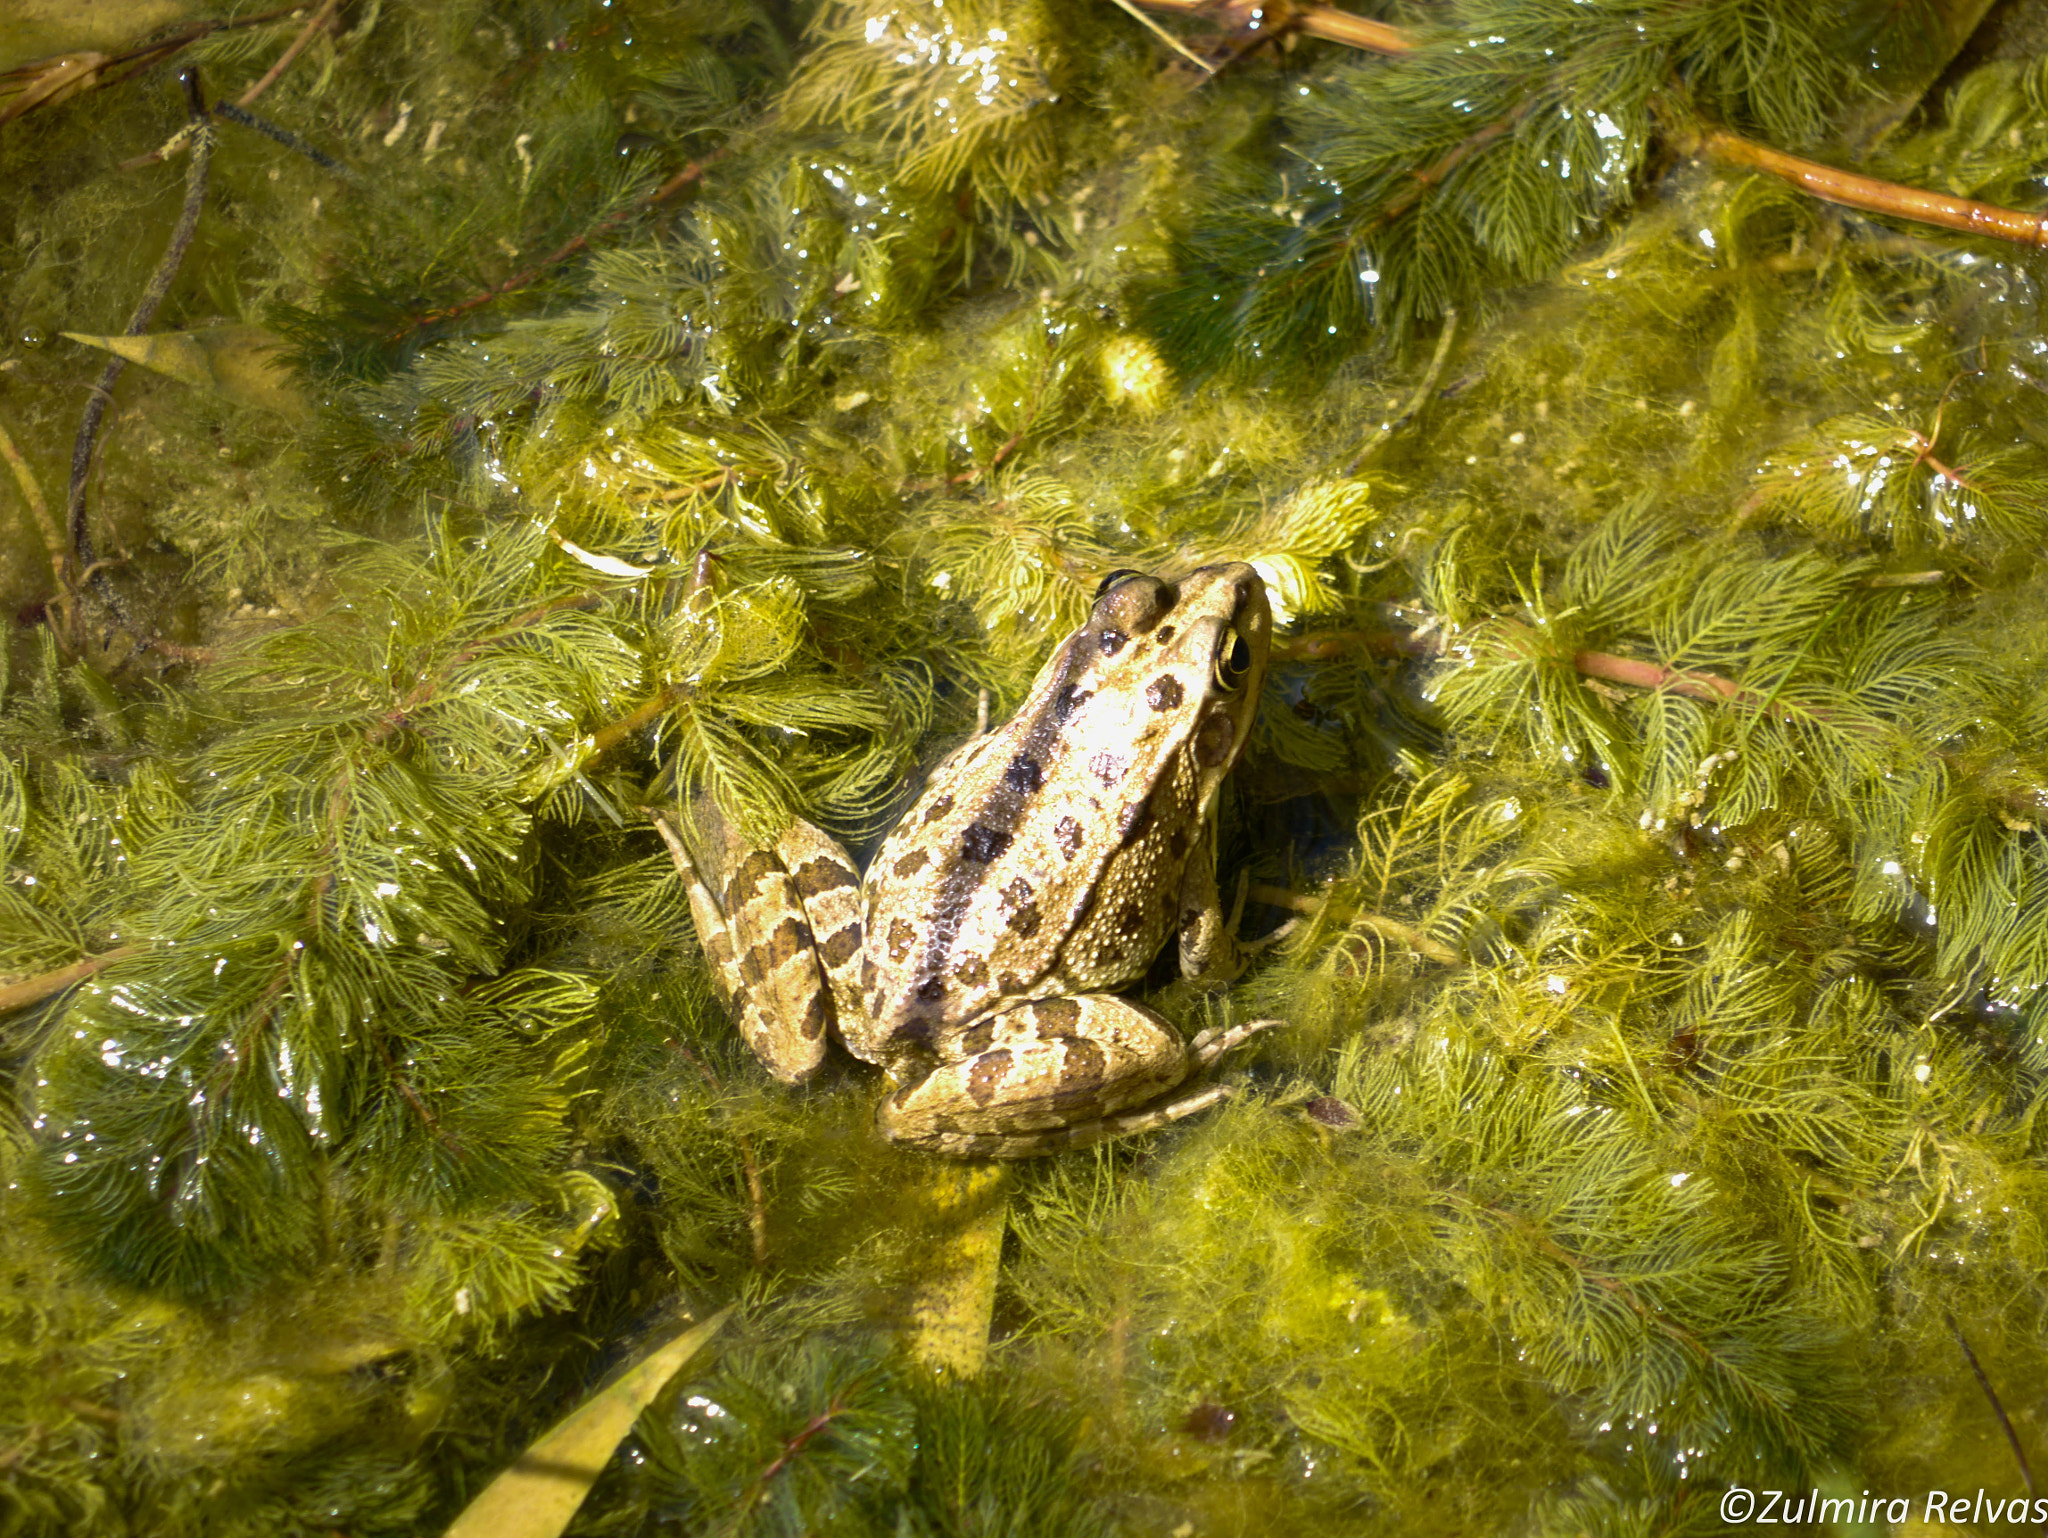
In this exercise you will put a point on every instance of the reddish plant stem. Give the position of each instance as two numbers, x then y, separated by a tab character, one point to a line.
692	172
795	1445
428	687
1631	672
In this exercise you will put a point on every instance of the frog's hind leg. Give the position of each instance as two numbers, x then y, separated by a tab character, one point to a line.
1054	1074
756	936
1030	1145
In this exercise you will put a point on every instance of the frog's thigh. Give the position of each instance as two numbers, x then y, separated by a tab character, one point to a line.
757	936
1047	1064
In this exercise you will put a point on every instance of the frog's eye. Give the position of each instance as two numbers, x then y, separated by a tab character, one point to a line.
1233	661
1114	578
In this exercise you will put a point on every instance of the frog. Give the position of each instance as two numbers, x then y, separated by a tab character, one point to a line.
1044	864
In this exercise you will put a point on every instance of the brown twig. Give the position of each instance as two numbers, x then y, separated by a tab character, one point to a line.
1827	183
1324	21
284	60
51	80
145	311
1630	672
425	690
33	990
1874	196
607	737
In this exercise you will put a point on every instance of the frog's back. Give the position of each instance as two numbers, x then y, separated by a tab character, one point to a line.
1048	856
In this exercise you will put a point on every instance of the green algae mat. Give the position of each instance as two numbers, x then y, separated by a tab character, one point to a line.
449	446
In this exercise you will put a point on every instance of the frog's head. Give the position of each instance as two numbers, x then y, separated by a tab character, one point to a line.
1193	649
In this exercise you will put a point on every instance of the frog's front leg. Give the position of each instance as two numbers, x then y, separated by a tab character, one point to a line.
1211	950
1052	1074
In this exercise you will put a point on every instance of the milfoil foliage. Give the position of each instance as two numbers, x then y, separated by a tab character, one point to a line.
1654	757
1511	133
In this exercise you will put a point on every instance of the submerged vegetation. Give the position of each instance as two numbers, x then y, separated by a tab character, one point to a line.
730	394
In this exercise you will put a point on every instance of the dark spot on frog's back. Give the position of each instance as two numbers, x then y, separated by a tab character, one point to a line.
931	990
1025	921
1024	775
792	937
1111	642
1108	768
1069	700
982	844
1130	918
1177	844
938	809
1081	1071
746	881
901	937
971	970
1164	692
975	1039
987	1075
1055	1017
1164	637
816	876
1068	832
842	947
913	862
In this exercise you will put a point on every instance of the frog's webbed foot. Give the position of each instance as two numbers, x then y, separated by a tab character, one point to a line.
1248	949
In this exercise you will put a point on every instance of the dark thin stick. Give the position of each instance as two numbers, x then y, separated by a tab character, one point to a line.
82	552
2012	1439
284	136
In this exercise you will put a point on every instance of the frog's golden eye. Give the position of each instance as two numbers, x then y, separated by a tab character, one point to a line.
1114	578
1233	661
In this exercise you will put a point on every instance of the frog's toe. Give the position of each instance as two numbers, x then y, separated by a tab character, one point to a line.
1212	1044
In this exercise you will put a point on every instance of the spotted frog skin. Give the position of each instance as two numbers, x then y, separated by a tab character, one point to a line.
1045	862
